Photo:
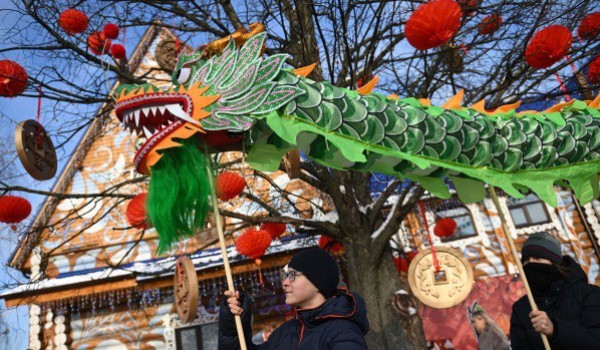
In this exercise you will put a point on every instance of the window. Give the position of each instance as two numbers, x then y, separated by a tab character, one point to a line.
528	211
201	337
465	227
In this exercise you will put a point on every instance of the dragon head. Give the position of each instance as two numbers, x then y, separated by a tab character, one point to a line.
161	117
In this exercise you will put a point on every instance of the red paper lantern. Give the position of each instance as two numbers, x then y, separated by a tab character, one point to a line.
98	43
590	26
253	243
111	31
73	21
594	71
329	244
433	24
275	229
117	51
401	264
13	78
468	6
490	24
229	185
136	212
548	46
14	209
444	227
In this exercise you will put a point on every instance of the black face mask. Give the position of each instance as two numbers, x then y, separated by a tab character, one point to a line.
541	276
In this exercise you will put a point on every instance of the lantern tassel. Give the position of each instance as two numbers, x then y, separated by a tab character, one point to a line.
436	263
562	86
260	277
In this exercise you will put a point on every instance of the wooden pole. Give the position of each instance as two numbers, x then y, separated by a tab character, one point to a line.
515	255
215	205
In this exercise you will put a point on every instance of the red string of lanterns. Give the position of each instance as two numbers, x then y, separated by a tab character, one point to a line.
13	78
73	21
136	212
14	209
275	229
253	244
330	245
590	26
445	227
548	46
98	43
594	71
111	31
433	24
229	185
490	24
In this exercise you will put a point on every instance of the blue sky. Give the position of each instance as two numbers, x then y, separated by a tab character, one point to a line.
13	111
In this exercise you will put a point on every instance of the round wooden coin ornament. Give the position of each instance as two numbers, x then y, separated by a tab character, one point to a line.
167	53
444	288
35	150
186	289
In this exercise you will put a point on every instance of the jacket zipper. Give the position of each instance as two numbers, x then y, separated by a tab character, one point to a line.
301	330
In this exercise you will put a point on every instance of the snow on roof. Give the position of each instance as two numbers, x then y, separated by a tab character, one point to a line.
150	269
71	280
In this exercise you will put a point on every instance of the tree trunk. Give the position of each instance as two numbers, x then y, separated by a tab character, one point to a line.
377	285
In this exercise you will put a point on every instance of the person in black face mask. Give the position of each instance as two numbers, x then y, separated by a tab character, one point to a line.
569	307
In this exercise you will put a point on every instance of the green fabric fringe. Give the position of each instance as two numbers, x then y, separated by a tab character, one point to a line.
178	199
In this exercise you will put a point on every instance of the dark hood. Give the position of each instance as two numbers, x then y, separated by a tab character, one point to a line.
343	304
577	276
577	272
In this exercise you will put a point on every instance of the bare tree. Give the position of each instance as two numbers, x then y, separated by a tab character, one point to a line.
348	40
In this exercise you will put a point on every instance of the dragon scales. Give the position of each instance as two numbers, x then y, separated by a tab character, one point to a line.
239	99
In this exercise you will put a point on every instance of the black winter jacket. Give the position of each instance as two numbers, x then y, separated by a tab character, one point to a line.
572	304
339	324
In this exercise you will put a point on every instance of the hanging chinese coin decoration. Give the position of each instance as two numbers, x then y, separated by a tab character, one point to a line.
35	150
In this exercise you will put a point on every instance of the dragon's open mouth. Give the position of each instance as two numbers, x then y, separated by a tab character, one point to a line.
154	117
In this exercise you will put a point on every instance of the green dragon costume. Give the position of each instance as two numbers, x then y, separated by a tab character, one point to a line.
238	99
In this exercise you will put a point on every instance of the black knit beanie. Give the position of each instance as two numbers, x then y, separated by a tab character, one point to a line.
542	245
320	269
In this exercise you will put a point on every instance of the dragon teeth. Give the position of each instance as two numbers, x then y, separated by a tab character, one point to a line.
147	132
136	115
177	111
146	111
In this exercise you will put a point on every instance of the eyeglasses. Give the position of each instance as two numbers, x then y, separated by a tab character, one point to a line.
291	275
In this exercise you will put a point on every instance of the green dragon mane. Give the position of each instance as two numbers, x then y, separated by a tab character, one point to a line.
179	192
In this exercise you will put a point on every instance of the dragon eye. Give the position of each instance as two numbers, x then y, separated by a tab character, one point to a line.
184	75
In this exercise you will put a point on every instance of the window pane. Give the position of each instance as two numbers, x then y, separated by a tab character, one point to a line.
464	223
537	213
530	198
518	216
210	336
188	339
464	226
